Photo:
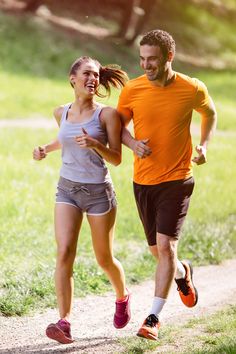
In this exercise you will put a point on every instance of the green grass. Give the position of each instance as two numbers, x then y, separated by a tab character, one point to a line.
27	245
213	334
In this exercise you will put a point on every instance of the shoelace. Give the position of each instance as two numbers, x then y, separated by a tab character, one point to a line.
183	286
151	321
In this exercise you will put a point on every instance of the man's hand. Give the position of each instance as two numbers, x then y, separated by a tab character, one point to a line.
201	158
141	149
39	153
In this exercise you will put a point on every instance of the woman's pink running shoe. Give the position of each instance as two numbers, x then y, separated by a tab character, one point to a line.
60	332
122	314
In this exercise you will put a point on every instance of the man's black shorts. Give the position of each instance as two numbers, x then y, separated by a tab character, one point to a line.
162	207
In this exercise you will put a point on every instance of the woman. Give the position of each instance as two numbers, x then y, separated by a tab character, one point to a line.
89	134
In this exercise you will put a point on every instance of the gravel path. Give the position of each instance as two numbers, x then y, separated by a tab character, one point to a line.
92	316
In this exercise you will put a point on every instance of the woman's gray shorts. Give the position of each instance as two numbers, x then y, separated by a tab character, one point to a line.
94	199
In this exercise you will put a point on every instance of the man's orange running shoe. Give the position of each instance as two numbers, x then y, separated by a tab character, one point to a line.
187	291
149	329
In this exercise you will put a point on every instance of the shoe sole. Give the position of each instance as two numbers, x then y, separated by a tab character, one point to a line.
53	332
191	276
147	336
125	324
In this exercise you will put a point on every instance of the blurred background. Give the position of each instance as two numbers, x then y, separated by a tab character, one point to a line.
38	42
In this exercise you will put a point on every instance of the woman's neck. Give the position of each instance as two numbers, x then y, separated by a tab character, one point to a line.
84	104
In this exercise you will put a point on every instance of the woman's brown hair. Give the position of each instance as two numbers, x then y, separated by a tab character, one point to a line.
109	75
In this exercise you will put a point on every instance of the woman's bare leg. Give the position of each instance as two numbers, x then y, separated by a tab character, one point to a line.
102	229
68	221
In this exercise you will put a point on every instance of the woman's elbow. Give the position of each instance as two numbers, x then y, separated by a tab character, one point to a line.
117	163
117	160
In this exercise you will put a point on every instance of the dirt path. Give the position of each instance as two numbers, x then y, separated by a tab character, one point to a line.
92	316
46	123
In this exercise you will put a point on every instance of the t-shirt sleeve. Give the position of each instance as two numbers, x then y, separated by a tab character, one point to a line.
124	106
202	98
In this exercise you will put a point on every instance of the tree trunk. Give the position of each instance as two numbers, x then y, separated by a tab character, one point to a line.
32	5
126	18
146	6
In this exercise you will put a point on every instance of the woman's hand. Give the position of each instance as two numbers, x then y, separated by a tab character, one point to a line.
86	141
39	153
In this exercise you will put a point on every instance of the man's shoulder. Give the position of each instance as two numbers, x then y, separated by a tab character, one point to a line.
133	83
188	81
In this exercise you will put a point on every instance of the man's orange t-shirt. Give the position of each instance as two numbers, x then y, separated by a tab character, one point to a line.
163	115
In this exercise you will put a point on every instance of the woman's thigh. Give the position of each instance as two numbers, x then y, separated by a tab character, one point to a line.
102	230
68	220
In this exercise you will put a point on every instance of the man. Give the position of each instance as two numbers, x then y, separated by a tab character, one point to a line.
161	103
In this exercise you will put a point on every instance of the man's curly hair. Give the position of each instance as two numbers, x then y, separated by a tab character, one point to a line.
161	39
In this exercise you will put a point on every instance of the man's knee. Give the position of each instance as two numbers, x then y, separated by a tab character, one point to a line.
154	251
166	246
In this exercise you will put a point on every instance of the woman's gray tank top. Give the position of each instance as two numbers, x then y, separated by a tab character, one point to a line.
83	165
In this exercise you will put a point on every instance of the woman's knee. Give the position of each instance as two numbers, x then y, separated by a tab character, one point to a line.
105	262
65	254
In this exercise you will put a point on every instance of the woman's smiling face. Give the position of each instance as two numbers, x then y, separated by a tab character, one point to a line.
86	79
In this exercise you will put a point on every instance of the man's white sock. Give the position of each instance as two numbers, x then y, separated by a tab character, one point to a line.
157	306
180	271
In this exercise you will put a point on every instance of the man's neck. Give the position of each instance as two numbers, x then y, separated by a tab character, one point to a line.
166	80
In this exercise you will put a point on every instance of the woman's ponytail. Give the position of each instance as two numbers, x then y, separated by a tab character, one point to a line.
111	76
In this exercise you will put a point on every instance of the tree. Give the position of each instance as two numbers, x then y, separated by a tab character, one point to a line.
142	15
126	15
32	5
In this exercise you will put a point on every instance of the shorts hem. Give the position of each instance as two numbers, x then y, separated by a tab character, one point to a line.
75	206
100	214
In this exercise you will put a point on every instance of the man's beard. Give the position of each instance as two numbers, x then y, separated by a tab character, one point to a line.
158	76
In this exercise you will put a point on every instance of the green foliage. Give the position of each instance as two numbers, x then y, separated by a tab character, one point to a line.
199	31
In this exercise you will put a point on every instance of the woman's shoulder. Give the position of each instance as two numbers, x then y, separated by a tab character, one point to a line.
110	117
109	112
57	112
